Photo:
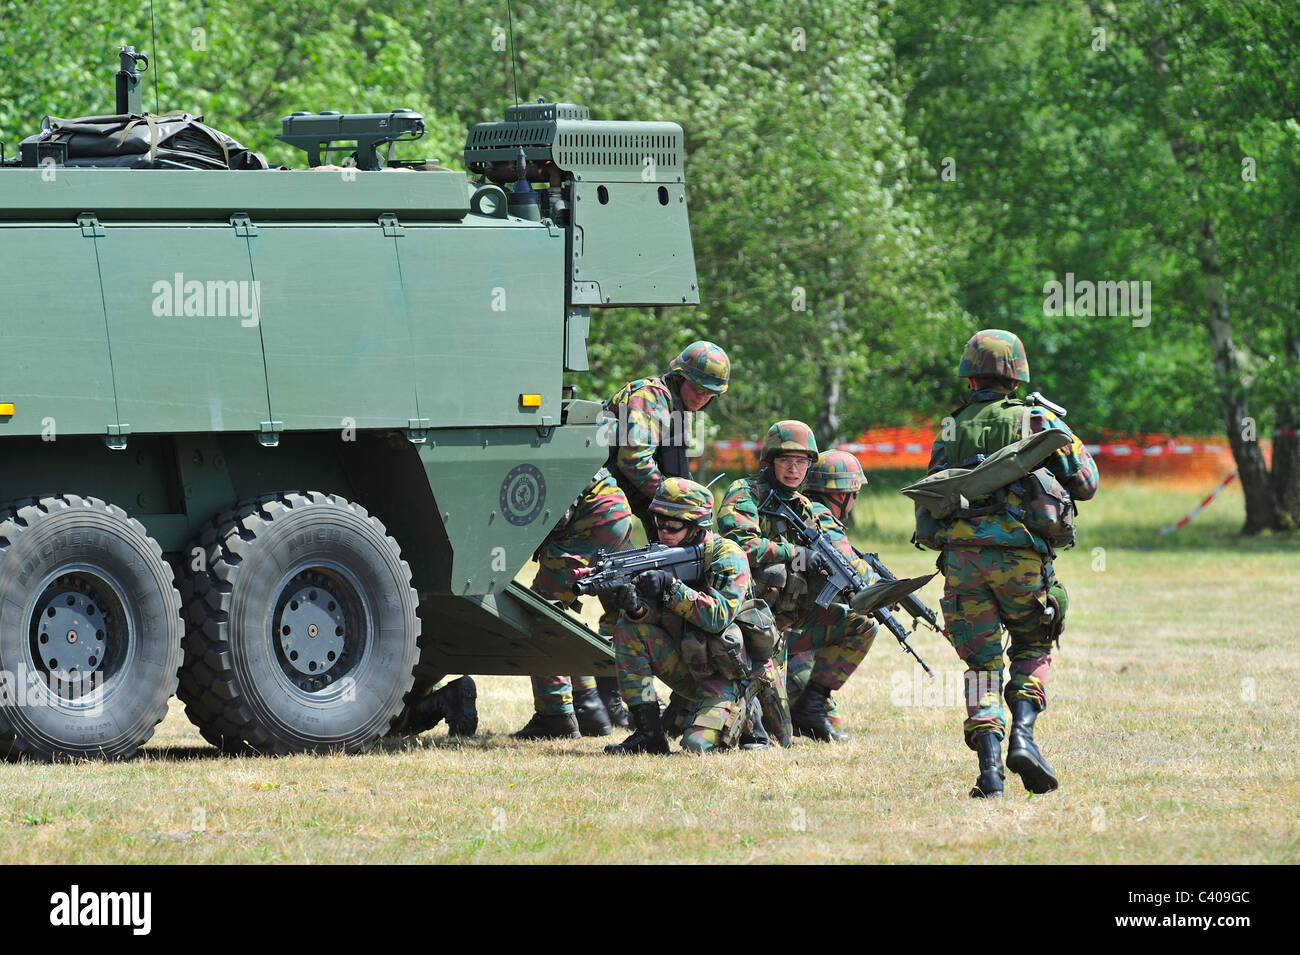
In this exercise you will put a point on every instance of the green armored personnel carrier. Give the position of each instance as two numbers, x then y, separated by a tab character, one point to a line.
286	437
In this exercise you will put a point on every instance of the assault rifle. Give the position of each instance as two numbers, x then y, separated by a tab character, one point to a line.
840	575
610	572
911	603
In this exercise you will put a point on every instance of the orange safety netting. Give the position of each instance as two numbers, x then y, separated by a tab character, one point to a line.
1141	455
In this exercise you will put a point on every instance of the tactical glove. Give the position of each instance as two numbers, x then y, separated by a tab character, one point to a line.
653	583
805	559
629	600
818	564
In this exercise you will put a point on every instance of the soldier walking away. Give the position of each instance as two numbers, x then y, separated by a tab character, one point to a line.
647	433
686	637
599	520
997	558
835	639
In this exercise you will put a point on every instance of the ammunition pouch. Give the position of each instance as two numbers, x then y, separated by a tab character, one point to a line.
695	653
782	588
776	710
727	650
927	530
770	580
707	654
728	727
1046	507
758	626
736	722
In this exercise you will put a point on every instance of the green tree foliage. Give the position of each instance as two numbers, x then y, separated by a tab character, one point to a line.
818	270
1151	141
869	180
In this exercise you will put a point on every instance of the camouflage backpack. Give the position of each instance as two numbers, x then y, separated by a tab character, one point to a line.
995	470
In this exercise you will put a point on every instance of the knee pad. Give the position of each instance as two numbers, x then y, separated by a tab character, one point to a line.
700	739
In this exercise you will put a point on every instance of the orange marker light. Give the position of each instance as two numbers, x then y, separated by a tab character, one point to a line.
530	401
6	408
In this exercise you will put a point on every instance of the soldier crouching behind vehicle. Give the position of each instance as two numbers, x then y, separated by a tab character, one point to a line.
599	521
685	636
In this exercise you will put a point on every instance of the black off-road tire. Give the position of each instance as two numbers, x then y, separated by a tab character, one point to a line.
83	568
245	620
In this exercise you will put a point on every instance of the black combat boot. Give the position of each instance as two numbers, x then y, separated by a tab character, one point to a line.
989	782
809	714
550	726
589	709
1023	756
461	707
676	716
422	714
453	703
615	708
649	735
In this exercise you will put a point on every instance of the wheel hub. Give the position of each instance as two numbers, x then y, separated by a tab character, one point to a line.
73	624
312	626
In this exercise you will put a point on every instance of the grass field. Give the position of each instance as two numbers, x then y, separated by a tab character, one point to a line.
1172	724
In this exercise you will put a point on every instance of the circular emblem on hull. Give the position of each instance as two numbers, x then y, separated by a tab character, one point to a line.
523	493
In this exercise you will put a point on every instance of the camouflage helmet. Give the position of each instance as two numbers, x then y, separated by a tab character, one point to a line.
836	471
705	365
789	435
684	500
994	352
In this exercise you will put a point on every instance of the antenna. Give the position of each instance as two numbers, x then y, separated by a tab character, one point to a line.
156	60
510	22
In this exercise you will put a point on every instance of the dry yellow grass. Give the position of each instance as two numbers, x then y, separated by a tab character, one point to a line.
1173	726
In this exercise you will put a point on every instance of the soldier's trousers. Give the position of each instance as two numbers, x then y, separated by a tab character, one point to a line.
643	651
826	646
986	588
601	521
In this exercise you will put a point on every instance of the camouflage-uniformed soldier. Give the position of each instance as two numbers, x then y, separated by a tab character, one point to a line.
599	520
647	434
662	615
833	485
998	572
836	638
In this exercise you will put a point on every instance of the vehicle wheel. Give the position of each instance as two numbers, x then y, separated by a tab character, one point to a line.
302	629
90	629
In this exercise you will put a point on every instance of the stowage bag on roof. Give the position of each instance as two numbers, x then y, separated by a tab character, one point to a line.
170	140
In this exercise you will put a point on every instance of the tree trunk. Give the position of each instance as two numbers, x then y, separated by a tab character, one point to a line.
1230	372
1286	443
1230	361
829	420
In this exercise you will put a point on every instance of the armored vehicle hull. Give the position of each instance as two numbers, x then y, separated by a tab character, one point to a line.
284	438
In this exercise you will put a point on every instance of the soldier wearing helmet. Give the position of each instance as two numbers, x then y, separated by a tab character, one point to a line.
836	639
646	422
598	521
665	621
832	487
834	482
998	573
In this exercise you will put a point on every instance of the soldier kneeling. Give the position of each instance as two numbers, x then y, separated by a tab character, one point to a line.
686	637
